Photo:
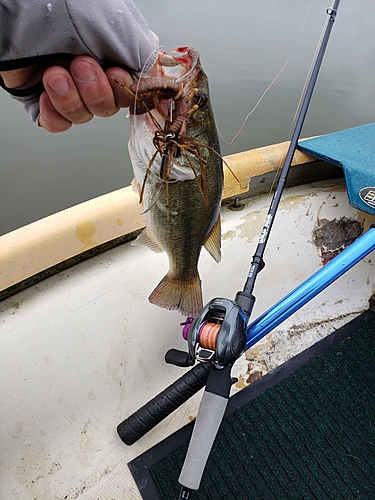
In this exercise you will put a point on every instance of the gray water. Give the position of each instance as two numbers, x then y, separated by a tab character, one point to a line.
243	46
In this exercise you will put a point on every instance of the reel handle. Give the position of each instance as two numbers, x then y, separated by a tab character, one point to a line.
162	405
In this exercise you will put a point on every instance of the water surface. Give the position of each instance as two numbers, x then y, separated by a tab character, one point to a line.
243	46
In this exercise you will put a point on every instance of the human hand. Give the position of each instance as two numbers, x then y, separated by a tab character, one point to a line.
74	94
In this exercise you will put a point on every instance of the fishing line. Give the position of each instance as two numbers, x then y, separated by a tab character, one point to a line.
296	114
304	21
269	86
307	80
254	108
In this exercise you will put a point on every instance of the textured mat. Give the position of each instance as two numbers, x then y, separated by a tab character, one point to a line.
310	436
353	150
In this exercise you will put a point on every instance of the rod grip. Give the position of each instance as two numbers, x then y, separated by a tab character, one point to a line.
210	414
162	405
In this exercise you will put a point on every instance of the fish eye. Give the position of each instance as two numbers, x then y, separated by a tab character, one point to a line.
200	99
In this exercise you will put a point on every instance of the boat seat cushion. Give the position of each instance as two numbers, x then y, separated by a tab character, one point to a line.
354	151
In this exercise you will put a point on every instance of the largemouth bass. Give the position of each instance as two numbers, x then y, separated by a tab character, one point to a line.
178	171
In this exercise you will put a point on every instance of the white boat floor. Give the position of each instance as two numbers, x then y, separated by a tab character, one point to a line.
84	349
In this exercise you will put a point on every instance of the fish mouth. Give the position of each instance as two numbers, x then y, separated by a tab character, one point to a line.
178	65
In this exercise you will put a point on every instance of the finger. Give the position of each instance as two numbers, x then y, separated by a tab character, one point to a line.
17	78
93	86
64	95
49	118
120	80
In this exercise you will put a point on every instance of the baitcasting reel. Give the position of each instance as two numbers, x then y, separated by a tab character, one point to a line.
216	338
218	335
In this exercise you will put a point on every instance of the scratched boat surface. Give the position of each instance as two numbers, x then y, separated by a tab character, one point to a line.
82	349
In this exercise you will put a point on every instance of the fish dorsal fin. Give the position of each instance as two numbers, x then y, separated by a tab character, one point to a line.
213	241
144	239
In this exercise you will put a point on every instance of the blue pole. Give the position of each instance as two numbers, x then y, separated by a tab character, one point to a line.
310	288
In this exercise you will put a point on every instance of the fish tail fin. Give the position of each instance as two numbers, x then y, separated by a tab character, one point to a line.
184	296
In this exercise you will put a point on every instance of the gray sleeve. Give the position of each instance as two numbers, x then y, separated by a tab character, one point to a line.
35	31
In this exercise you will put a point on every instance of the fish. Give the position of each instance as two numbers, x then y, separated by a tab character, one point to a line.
178	169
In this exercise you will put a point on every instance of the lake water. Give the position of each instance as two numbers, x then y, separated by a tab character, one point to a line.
243	45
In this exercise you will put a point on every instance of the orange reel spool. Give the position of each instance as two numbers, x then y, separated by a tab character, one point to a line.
208	335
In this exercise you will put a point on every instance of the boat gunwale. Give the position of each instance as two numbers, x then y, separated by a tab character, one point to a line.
43	248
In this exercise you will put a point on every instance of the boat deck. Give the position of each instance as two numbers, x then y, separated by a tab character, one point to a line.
83	349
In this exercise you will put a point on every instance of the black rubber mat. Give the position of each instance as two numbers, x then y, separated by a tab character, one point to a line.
304	431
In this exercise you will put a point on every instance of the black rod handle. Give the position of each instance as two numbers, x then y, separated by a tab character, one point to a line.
162	405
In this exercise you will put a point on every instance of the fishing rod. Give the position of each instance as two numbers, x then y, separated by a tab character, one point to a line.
218	337
245	297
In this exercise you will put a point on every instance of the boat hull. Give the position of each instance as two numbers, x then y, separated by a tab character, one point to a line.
84	349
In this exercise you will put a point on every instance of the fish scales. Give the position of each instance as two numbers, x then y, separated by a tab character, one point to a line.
180	218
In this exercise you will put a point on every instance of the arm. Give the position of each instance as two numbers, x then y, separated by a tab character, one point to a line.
38	56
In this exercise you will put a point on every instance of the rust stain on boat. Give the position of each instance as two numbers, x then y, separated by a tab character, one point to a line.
84	232
18	430
229	235
331	237
252	224
255	375
240	384
292	202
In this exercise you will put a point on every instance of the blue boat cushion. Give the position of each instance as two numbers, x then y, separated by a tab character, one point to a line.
354	151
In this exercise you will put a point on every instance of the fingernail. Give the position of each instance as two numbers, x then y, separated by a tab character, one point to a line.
84	72
59	84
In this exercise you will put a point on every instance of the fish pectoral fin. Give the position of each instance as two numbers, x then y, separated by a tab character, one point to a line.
135	186
213	241
144	239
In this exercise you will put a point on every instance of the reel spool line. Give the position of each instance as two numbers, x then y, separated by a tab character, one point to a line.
208	334
219	334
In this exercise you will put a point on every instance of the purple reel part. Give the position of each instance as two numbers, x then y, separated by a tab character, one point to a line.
186	325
